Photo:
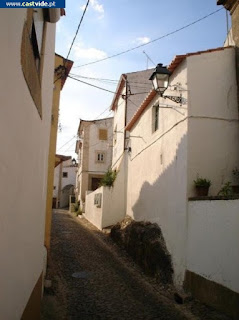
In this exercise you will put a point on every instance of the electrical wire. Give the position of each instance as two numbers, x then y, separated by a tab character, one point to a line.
91	78
103	79
77	30
101	113
154	40
71	145
66	143
92	85
141	85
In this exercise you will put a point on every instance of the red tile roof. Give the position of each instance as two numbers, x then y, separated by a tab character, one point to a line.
60	158
179	58
173	65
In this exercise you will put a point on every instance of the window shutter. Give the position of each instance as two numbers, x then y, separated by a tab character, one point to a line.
103	134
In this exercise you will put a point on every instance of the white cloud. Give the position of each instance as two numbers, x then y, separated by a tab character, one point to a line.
83	7
96	6
143	40
89	53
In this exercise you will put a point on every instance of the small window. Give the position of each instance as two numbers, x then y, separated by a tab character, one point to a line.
64	174
103	134
115	136
31	49
100	157
35	46
54	188
155	118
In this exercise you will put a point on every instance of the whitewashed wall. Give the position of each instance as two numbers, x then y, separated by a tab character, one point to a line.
114	199
213	135
87	154
157	173
118	132
71	176
71	173
24	140
113	204
96	145
213	241
92	212
56	181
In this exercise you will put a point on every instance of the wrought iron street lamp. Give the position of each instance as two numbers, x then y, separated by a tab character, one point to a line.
160	80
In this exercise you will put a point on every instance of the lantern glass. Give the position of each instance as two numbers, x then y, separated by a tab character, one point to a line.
160	82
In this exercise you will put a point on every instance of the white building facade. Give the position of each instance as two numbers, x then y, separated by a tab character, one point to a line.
94	151
171	144
25	118
64	183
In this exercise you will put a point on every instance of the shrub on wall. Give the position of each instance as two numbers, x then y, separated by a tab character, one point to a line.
109	178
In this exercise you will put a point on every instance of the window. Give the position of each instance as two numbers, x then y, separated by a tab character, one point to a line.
95	183
64	174
100	157
31	49
155	117
103	134
54	188
115	135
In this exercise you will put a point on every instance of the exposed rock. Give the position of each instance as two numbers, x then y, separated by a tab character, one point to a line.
145	243
182	297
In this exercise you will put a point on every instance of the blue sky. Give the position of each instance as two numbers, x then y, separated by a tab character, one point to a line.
110	27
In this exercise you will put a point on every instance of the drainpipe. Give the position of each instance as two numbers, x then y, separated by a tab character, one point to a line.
59	186
126	105
125	155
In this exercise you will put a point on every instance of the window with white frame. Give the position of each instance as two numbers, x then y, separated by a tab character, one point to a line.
155	118
100	157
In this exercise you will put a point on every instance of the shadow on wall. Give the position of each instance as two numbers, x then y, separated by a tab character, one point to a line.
168	194
65	195
165	201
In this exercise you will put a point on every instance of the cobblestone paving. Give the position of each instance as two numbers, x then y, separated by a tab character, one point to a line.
93	279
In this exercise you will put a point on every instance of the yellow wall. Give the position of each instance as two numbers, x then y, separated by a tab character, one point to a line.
52	150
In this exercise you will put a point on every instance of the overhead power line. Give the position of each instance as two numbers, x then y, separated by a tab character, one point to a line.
77	30
114	81
133	84
92	85
66	143
107	109
154	40
71	145
91	78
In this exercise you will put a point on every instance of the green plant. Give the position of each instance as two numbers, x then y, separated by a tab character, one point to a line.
226	190
79	212
76	206
201	182
235	172
109	178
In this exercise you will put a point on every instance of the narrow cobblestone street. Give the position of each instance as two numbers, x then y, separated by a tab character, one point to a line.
94	279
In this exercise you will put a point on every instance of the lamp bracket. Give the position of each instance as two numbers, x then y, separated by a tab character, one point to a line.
174	98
